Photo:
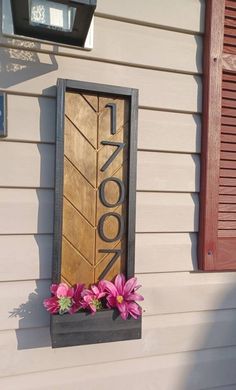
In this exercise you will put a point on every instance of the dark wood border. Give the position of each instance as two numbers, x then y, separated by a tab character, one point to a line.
84	328
59	168
108	326
210	158
3	132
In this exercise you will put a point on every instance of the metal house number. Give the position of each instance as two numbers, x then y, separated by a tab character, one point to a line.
105	202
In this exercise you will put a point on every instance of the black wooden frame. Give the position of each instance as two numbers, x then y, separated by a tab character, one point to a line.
3	122
84	14
110	327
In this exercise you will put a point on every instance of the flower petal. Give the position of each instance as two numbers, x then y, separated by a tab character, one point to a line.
95	290
54	288
110	287
101	286
130	285
134	297
74	308
62	290
52	305
111	301
78	291
123	309
101	295
85	292
119	283
88	299
134	310
70	292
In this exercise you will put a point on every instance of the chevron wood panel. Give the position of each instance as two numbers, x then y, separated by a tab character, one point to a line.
95	187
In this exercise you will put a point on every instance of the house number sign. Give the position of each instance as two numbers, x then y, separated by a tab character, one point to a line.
95	182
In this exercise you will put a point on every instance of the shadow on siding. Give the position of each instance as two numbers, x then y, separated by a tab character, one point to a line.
31	313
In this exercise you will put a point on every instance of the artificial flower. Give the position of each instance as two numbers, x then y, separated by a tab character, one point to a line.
92	297
77	298
61	302
122	295
52	305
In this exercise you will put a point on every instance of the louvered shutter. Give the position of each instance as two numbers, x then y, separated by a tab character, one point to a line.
217	233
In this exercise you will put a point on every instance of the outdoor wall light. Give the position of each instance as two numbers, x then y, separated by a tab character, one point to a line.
60	21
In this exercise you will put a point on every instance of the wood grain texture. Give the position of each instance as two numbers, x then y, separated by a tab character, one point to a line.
227	191
87	125
28	165
229	37
210	161
108	326
159	89
229	63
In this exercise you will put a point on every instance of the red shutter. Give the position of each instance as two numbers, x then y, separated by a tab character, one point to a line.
217	235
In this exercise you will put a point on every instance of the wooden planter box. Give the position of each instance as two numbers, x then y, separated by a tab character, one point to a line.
83	328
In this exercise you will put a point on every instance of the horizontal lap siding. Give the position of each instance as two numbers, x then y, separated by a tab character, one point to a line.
164	372
26	211
156	171
31	119
161	335
158	89
28	257
168	131
132	46
160	53
176	292
25	257
184	14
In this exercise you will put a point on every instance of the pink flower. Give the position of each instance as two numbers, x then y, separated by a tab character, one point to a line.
52	305
92	298
61	302
122	295
77	298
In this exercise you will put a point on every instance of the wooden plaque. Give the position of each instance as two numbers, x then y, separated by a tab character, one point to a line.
96	141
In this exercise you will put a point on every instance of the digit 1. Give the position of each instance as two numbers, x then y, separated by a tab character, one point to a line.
112	106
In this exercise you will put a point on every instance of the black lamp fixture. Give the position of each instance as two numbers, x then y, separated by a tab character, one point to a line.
60	21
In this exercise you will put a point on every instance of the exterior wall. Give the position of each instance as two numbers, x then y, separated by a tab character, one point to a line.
189	321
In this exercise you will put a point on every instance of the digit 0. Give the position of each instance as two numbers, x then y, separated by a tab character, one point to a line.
120	232
121	192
